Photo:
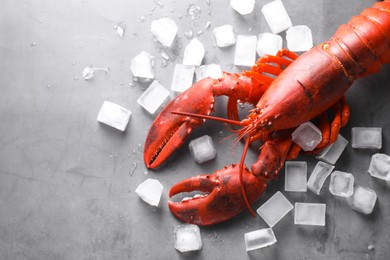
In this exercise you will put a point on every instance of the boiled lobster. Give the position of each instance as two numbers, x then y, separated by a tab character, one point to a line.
286	91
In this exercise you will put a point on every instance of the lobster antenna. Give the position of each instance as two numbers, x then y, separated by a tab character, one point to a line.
219	119
247	141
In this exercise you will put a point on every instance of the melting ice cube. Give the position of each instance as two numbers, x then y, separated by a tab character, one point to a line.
309	214
120	29
245	53
307	136
243	6
274	209
202	149
259	239
269	43
211	70
224	36
142	66
193	53
164	30
363	200
332	153
299	38
341	184
150	191
183	76
295	176
187	238
367	137
380	166
89	72
154	97
276	16
318	176
114	115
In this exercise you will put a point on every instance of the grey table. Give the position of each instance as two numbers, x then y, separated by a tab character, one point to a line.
67	183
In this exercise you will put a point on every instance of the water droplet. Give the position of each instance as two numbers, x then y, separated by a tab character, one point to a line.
33	44
73	63
142	19
76	78
133	168
220	133
48	86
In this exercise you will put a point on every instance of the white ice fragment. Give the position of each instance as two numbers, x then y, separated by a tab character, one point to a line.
194	53
318	177
243	6
164	30
307	136
259	239
269	43
193	11
299	38
154	97
332	153
341	184
295	176
363	200
274	209
89	72
309	214
120	29
380	166
187	238
245	52
367	137
276	16
183	76
213	71
224	36
142	66
150	191
114	115
202	149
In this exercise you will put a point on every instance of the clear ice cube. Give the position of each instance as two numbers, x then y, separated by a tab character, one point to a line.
194	53
380	166
274	209
310	214
183	76
276	16
154	97
295	176
362	200
245	52
243	7
299	38
332	153
211	70
164	30
367	137
187	238
202	149
224	36
150	191
307	136
341	184
142	66
259	239
114	115
269	43
318	177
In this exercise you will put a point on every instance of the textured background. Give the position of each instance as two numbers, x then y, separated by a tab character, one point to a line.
67	183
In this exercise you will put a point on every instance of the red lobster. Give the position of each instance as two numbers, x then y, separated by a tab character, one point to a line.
301	89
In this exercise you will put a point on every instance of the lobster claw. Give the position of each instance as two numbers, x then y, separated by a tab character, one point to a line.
223	200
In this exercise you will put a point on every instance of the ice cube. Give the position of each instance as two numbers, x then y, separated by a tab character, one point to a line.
276	16
224	36
187	238
295	176
269	43
154	97
114	115
183	76
341	184
211	70
332	153
318	177
274	209
202	149
380	166
307	136
367	137
259	239
150	191
142	66
309	214
194	53
164	30
299	38
243	6
362	200
245	53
